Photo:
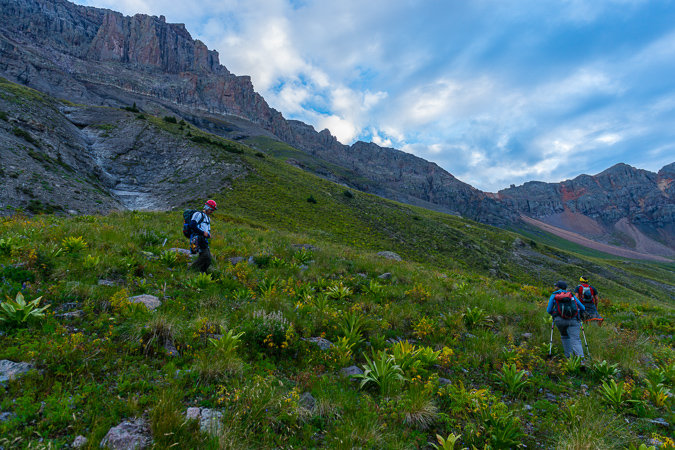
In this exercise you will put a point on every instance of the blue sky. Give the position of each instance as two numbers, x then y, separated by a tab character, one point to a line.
497	92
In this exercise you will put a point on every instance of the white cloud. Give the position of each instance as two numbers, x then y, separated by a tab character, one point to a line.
342	129
609	139
372	99
382	142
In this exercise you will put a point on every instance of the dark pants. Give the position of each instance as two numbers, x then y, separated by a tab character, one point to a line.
203	262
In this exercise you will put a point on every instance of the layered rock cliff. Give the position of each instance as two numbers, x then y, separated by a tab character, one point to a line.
97	56
621	203
84	160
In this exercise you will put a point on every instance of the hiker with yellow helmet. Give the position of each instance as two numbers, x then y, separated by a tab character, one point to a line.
200	227
588	296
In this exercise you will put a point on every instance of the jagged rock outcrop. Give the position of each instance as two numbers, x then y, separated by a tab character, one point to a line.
101	57
622	203
85	160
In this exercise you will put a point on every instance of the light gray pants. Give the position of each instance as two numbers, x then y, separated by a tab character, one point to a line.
569	335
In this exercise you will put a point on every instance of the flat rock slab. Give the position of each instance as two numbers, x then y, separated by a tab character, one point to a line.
660	421
210	420
127	436
324	344
79	441
11	370
70	315
150	301
390	255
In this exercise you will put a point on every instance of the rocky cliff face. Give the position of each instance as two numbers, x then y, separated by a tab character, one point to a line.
95	56
623	203
84	160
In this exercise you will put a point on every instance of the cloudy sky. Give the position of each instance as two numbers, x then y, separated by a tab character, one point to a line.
497	92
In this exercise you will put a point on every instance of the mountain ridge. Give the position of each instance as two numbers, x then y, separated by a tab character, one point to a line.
624	203
190	80
101	57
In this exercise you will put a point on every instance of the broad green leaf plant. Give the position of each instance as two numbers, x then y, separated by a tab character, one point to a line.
383	371
17	312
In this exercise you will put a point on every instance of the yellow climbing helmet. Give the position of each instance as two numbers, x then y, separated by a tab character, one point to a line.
583	279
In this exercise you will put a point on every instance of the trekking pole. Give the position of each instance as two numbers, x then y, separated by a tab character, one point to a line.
588	352
550	345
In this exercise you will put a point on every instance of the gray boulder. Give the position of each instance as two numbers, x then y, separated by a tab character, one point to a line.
79	441
150	301
660	421
6	416
350	371
210	420
324	344
10	370
390	255
385	276
444	382
127	436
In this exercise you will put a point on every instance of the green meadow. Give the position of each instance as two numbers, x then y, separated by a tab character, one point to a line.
453	342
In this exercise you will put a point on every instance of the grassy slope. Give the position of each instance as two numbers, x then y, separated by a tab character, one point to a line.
109	364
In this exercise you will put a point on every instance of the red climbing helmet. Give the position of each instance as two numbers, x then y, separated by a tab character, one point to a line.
211	204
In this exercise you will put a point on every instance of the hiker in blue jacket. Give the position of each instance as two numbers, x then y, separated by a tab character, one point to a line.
567	318
200	226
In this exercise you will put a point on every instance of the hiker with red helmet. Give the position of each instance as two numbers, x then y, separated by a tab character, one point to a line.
565	309
200	228
588	296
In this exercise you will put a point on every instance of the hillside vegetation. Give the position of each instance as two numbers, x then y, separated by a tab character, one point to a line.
107	361
453	339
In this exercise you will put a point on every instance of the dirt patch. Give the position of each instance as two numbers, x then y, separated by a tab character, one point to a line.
578	239
576	223
643	244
